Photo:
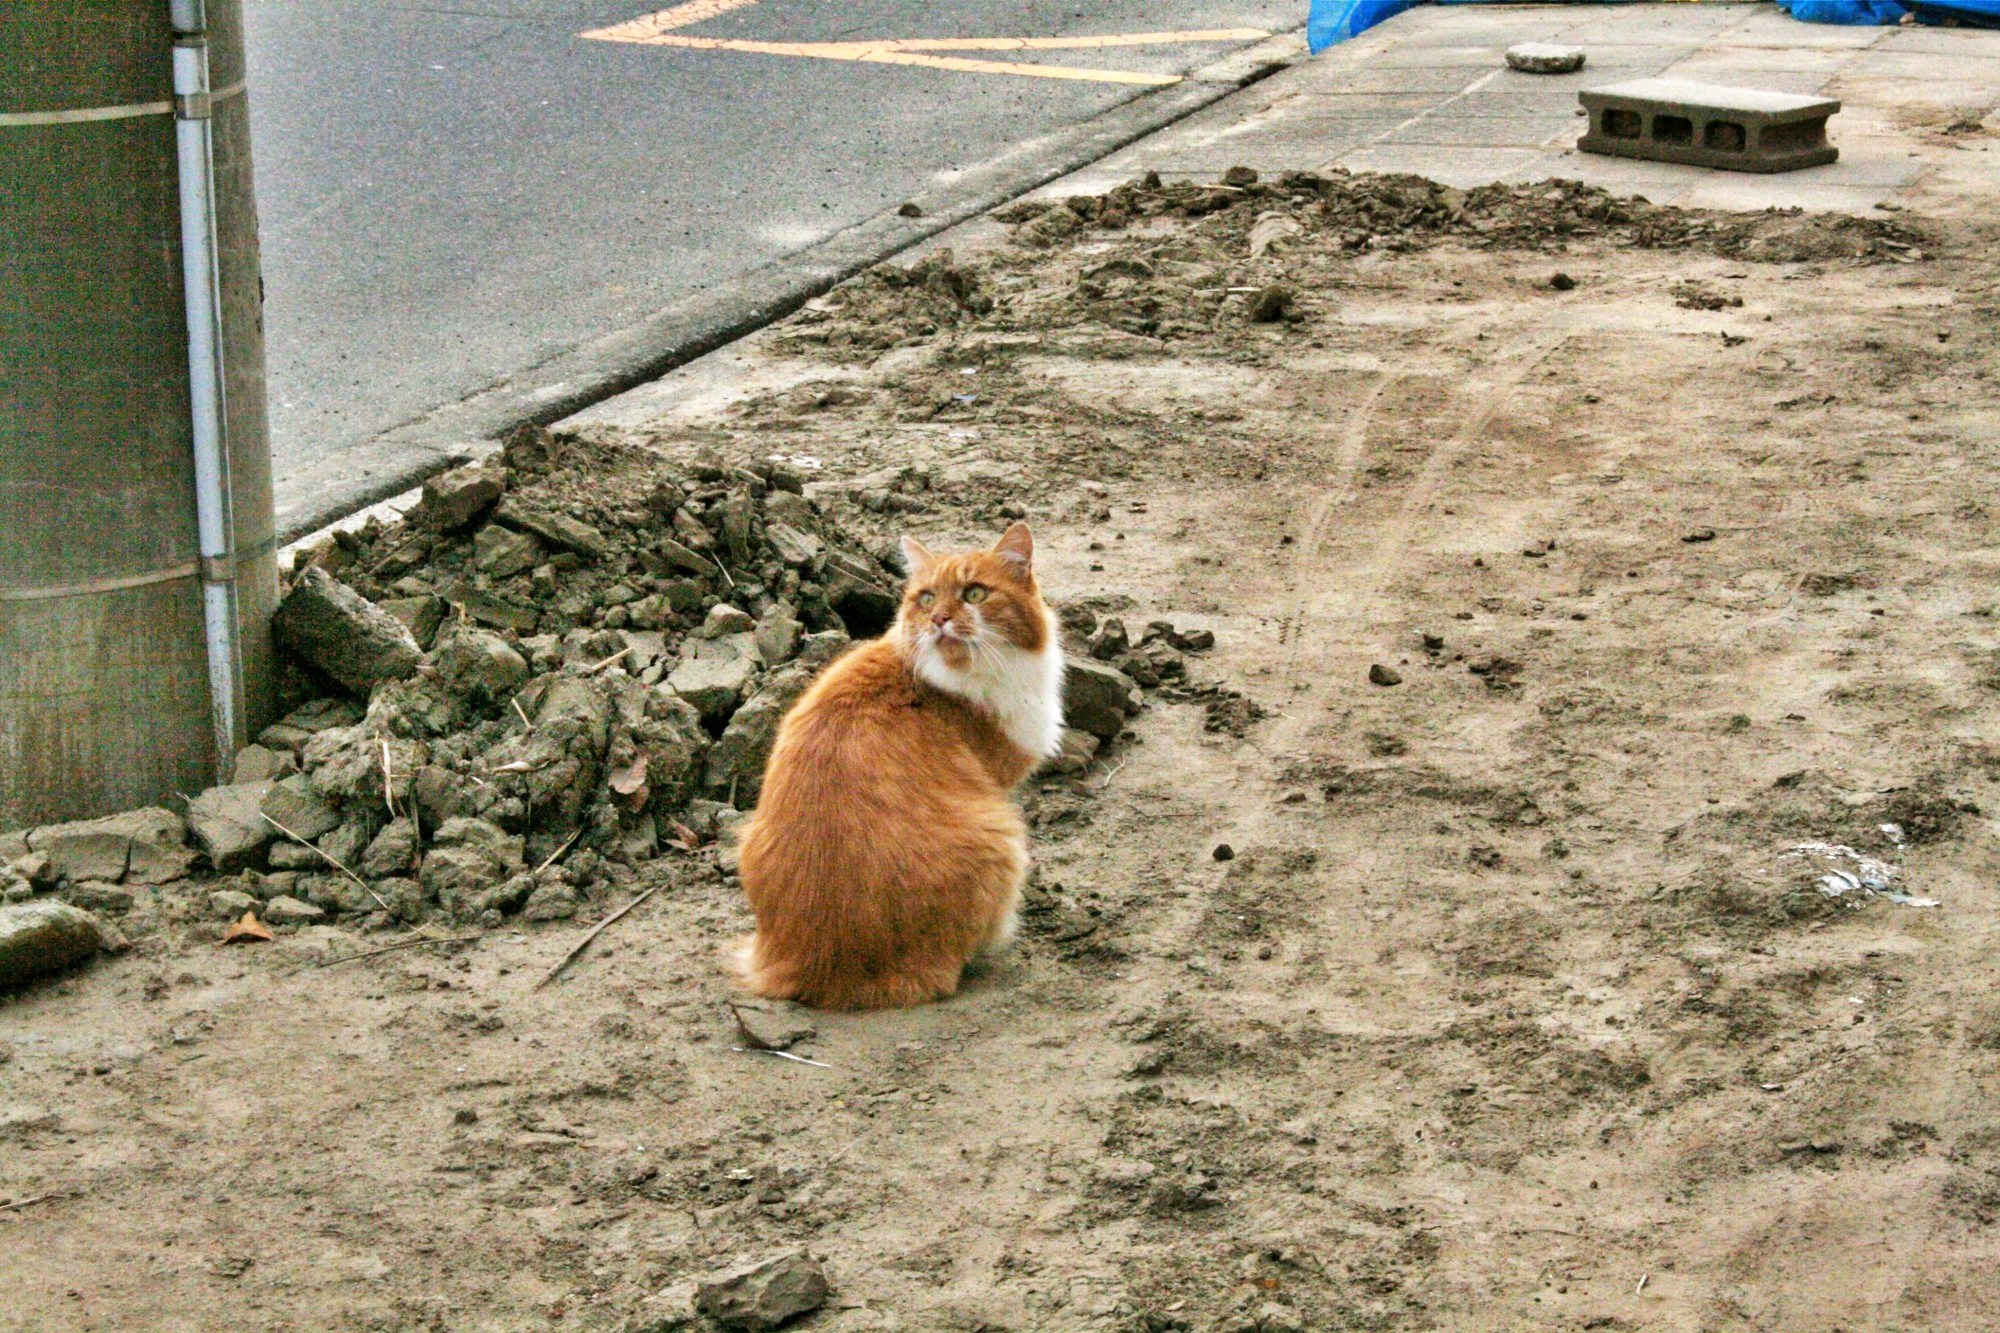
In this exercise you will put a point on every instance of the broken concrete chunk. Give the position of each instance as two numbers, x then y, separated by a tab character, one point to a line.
793	547
94	895
296	804
764	1295
772	1025
228	824
255	763
420	615
504	847
230	904
1098	698
722	618
146	846
459	497
456	876
557	530
480	665
343	634
42	939
1079	748
287	911
714	673
393	851
778	634
501	553
745	744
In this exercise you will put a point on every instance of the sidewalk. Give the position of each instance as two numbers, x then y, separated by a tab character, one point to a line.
1428	93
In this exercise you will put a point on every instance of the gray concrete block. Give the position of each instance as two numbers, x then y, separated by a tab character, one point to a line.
1706	125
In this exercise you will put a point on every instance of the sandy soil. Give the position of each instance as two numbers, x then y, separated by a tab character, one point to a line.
1509	1009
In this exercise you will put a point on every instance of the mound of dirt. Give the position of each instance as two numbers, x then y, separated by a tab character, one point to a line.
1166	259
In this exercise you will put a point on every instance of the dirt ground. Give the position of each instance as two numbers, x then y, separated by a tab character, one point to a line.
1509	1009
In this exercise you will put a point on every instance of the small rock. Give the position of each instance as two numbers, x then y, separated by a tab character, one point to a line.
1275	1318
1121	1173
228	824
763	1295
667	1311
1382	675
910	209
95	895
1193	641
230	904
778	634
1240	176
1562	282
1223	852
1098	698
286	911
41	939
343	634
1545	58
1110	641
772	1025
551	902
257	763
1271	304
458	498
1699	535
1079	749
722	618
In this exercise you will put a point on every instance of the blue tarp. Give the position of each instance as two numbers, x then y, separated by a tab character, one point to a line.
1331	21
1856	13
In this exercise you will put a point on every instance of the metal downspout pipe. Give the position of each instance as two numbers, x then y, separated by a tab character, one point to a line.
201	281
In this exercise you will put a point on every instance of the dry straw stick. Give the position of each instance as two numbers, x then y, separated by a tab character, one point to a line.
584	943
333	861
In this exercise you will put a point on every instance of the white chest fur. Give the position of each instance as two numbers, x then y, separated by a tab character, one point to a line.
1022	690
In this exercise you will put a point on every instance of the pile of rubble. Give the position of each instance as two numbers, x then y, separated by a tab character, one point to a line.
562	663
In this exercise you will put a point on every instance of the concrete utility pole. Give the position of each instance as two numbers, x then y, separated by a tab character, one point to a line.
137	571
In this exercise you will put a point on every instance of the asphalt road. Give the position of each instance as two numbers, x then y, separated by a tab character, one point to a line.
452	193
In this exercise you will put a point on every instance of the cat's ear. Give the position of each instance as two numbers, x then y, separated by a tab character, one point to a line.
1017	547
916	558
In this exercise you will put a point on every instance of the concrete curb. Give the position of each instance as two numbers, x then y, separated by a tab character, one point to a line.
404	456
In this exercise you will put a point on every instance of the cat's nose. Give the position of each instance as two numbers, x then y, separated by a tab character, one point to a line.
940	618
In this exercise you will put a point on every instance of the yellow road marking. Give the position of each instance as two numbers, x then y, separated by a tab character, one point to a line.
648	26
657	30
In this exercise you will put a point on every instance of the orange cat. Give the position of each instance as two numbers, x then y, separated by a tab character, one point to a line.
884	852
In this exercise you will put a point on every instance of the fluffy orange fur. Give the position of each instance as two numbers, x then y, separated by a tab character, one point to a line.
885	851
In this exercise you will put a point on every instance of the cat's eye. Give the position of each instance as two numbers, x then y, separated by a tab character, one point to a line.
974	593
926	598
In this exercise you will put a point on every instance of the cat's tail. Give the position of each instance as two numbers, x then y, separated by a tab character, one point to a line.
761	975
752	972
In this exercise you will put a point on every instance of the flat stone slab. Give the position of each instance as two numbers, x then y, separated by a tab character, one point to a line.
1708	125
1545	58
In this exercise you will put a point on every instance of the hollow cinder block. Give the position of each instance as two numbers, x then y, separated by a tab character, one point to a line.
1705	125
